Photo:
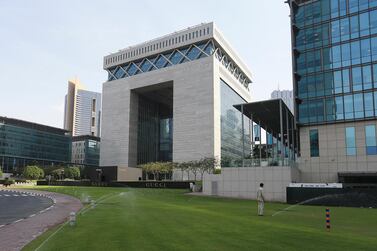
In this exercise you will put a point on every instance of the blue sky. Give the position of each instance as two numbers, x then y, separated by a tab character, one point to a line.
46	42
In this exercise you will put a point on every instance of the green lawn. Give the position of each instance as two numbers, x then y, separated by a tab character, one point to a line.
154	219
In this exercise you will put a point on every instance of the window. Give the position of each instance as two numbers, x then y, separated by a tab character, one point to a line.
350	141
374	48
93	121
375	76
334	8
353	6
336	56
358	105
335	31
373	21
357	79
354	25
344	29
367	77
365	50
363	5
338	82
346	80
348	107
364	24
370	140
368	104
93	105
314	143
330	109
355	52
346	54
325	9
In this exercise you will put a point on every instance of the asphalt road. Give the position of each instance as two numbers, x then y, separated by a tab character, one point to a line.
17	205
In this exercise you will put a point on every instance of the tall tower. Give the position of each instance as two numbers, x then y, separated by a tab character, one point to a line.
82	113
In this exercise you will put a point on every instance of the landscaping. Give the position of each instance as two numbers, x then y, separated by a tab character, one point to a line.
161	219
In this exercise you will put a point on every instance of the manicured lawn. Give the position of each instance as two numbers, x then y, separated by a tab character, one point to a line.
153	219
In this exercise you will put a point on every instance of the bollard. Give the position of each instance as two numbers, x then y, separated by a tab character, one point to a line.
327	219
72	219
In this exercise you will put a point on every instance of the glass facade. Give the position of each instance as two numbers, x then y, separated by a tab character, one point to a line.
178	56
335	52
155	132
314	143
231	128
24	145
370	140
350	141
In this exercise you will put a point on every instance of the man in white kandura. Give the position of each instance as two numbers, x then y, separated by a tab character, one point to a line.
260	199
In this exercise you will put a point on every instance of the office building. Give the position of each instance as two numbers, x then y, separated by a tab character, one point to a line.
286	96
334	50
25	143
85	150
82	113
171	99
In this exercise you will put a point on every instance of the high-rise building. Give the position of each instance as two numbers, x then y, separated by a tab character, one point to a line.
286	96
82	113
334	49
172	99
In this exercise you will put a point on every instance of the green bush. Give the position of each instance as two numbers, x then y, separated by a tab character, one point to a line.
217	171
8	182
1	173
33	173
72	173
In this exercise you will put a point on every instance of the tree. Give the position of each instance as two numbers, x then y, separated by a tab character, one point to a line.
207	164
33	172
72	172
194	168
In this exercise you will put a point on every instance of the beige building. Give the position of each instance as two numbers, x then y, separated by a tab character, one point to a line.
82	112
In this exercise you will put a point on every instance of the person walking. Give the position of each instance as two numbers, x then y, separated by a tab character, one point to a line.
260	199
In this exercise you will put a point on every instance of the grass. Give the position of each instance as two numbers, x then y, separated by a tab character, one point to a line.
154	219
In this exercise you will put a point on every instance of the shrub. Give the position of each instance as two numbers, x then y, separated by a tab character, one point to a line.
8	182
217	171
57	173
33	173
1	173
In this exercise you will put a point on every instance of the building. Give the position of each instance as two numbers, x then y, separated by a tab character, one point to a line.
171	99
25	143
85	150
334	51
286	96
82	113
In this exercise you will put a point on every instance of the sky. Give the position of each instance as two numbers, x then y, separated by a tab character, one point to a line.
43	43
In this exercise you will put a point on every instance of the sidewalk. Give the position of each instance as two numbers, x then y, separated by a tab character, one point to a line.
17	235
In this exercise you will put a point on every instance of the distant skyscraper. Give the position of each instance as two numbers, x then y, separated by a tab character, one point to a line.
286	96
82	113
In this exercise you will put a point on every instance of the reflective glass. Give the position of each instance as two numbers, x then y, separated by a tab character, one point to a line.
373	22
119	73
338	82
320	110
303	112
350	141
132	70
364	24
316	12
325	34
375	76
209	49
342	7
368	104
308	14
346	54
353	5
312	111
355	52
330	109
314	143
365	50
320	87
160	62
367	77
329	83
358	105
363	5
354	26
334	8
348	107
339	110
326	58
370	140
346	80
357	80
374	48
344	29
335	31
193	53
375	101
336	57
372	3
302	88
176	57
311	86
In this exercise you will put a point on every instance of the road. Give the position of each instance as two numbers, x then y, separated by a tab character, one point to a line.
18	205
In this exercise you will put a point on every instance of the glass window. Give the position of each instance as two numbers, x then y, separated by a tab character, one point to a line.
373	21
339	110
346	54
374	48
364	24
330	109
320	87
334	8
309	36
353	6
326	58
320	110
350	141
300	63
365	51
375	101
299	16
344	29
357	79
311	86
329	85
302	88
370	140
308	14
316	12
363	5
312	111
368	104
325	34
348	107
354	26
346	80
372	3
310	61
375	76
367	77
342	7
355	52
335	31
336	56
338	82
325	4
358	105
303	112
314	143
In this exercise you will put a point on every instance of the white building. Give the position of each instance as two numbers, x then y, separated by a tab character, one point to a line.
171	99
286	96
82	113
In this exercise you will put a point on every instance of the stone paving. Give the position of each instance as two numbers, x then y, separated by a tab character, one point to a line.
17	234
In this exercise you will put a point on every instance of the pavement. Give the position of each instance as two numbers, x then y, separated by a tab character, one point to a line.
25	214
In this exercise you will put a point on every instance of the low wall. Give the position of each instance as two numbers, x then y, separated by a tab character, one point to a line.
243	182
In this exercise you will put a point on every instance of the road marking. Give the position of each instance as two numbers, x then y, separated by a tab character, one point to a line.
32	215
7	195
17	221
